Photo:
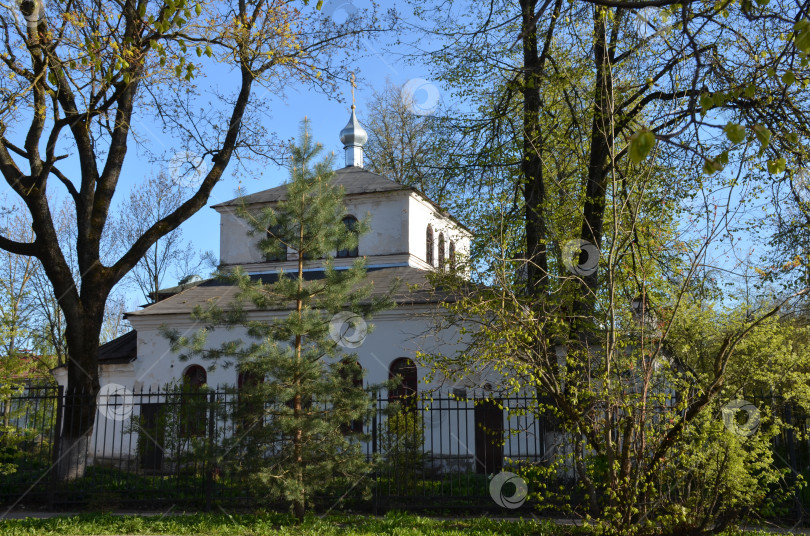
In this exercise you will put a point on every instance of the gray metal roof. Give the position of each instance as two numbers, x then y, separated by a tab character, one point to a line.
124	349
414	289
355	180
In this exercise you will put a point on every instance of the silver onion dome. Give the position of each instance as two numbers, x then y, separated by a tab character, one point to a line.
353	136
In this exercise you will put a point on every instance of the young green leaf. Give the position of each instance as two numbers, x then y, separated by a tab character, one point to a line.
735	133
763	136
712	165
641	143
777	166
706	102
802	29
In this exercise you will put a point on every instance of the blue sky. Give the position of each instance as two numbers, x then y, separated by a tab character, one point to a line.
328	114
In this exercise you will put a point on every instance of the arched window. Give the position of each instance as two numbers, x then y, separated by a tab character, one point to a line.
441	251
192	405
247	380
281	254
195	377
452	255
351	223
352	372
404	369
250	407
429	245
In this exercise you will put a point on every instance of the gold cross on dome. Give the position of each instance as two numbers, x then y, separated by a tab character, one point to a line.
354	85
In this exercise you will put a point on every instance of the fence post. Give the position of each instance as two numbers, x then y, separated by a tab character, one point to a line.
209	477
375	411
55	446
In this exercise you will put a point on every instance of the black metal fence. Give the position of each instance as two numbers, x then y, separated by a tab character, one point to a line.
179	447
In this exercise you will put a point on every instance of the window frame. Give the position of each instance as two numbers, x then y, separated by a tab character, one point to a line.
429	242
441	251
193	402
351	223
409	386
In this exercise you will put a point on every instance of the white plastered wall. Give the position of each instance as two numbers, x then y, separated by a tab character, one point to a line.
422	214
399	332
386	243
398	222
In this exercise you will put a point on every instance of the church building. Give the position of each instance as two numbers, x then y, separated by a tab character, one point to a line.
409	237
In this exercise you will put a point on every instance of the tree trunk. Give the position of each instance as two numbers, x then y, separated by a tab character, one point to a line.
299	503
531	167
602	138
82	390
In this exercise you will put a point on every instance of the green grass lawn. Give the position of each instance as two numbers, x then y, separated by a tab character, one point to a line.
394	524
275	524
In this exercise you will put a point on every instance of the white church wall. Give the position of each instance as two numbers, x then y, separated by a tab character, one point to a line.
387	239
423	214
235	245
399	332
388	221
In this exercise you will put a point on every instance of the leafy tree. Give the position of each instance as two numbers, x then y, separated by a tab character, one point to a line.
16	274
607	126
414	149
148	203
788	260
300	390
30	312
80	80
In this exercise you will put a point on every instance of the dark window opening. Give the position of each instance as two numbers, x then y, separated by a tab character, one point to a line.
248	380
429	245
195	377
193	405
441	251
452	255
151	441
250	406
352	373
351	224
404	370
489	435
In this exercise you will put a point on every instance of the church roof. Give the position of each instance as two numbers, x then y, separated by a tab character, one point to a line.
355	180
120	350
413	289
164	293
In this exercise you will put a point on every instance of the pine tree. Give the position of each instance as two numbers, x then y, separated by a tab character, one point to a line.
299	400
